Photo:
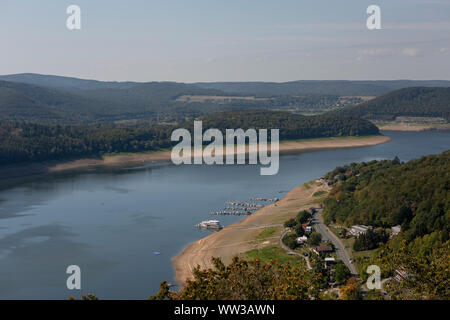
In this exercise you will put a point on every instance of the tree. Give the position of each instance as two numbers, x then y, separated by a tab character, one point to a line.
374	295
351	291
303	216
370	240
290	223
299	230
246	280
314	239
427	275
290	240
342	273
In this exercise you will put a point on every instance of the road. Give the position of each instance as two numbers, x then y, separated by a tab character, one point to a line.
327	234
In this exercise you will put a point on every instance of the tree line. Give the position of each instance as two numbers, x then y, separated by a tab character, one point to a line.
30	142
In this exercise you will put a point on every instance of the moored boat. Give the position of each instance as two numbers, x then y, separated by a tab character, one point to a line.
210	224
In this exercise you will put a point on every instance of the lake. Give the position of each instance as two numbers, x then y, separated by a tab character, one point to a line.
109	221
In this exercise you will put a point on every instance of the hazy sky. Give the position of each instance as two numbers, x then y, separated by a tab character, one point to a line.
227	40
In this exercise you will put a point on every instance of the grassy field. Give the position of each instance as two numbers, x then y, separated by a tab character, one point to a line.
273	253
267	233
219	99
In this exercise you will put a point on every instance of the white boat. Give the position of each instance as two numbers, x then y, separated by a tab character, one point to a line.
209	224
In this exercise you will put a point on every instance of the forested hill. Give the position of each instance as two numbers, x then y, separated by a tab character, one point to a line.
62	100
64	83
336	87
293	126
19	101
25	142
27	102
415	195
300	87
416	101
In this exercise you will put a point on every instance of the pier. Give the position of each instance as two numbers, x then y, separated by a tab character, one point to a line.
241	208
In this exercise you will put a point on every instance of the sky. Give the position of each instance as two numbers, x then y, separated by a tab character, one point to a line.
227	40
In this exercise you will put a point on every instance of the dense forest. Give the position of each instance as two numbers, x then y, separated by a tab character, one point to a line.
292	126
416	101
415	195
21	141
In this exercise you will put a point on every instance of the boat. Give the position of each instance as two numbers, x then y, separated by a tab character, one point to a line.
210	224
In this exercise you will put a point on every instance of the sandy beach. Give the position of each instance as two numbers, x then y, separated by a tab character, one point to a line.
240	237
14	171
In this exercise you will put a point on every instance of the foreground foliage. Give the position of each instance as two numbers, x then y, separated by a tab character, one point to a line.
246	280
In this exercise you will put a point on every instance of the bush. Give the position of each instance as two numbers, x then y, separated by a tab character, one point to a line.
246	280
314	239
290	223
303	216
299	230
370	240
290	240
342	273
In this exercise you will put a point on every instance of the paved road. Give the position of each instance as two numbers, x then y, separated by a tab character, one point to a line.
327	234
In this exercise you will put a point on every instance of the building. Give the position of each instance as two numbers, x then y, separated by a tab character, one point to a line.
322	249
306	228
396	230
359	229
401	274
302	239
329	261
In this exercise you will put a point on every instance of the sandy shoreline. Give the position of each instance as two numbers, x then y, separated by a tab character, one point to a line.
413	128
240	237
15	171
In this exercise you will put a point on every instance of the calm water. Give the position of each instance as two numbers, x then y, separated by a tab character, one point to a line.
110	221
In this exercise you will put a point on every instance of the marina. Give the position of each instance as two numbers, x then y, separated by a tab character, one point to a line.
239	208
